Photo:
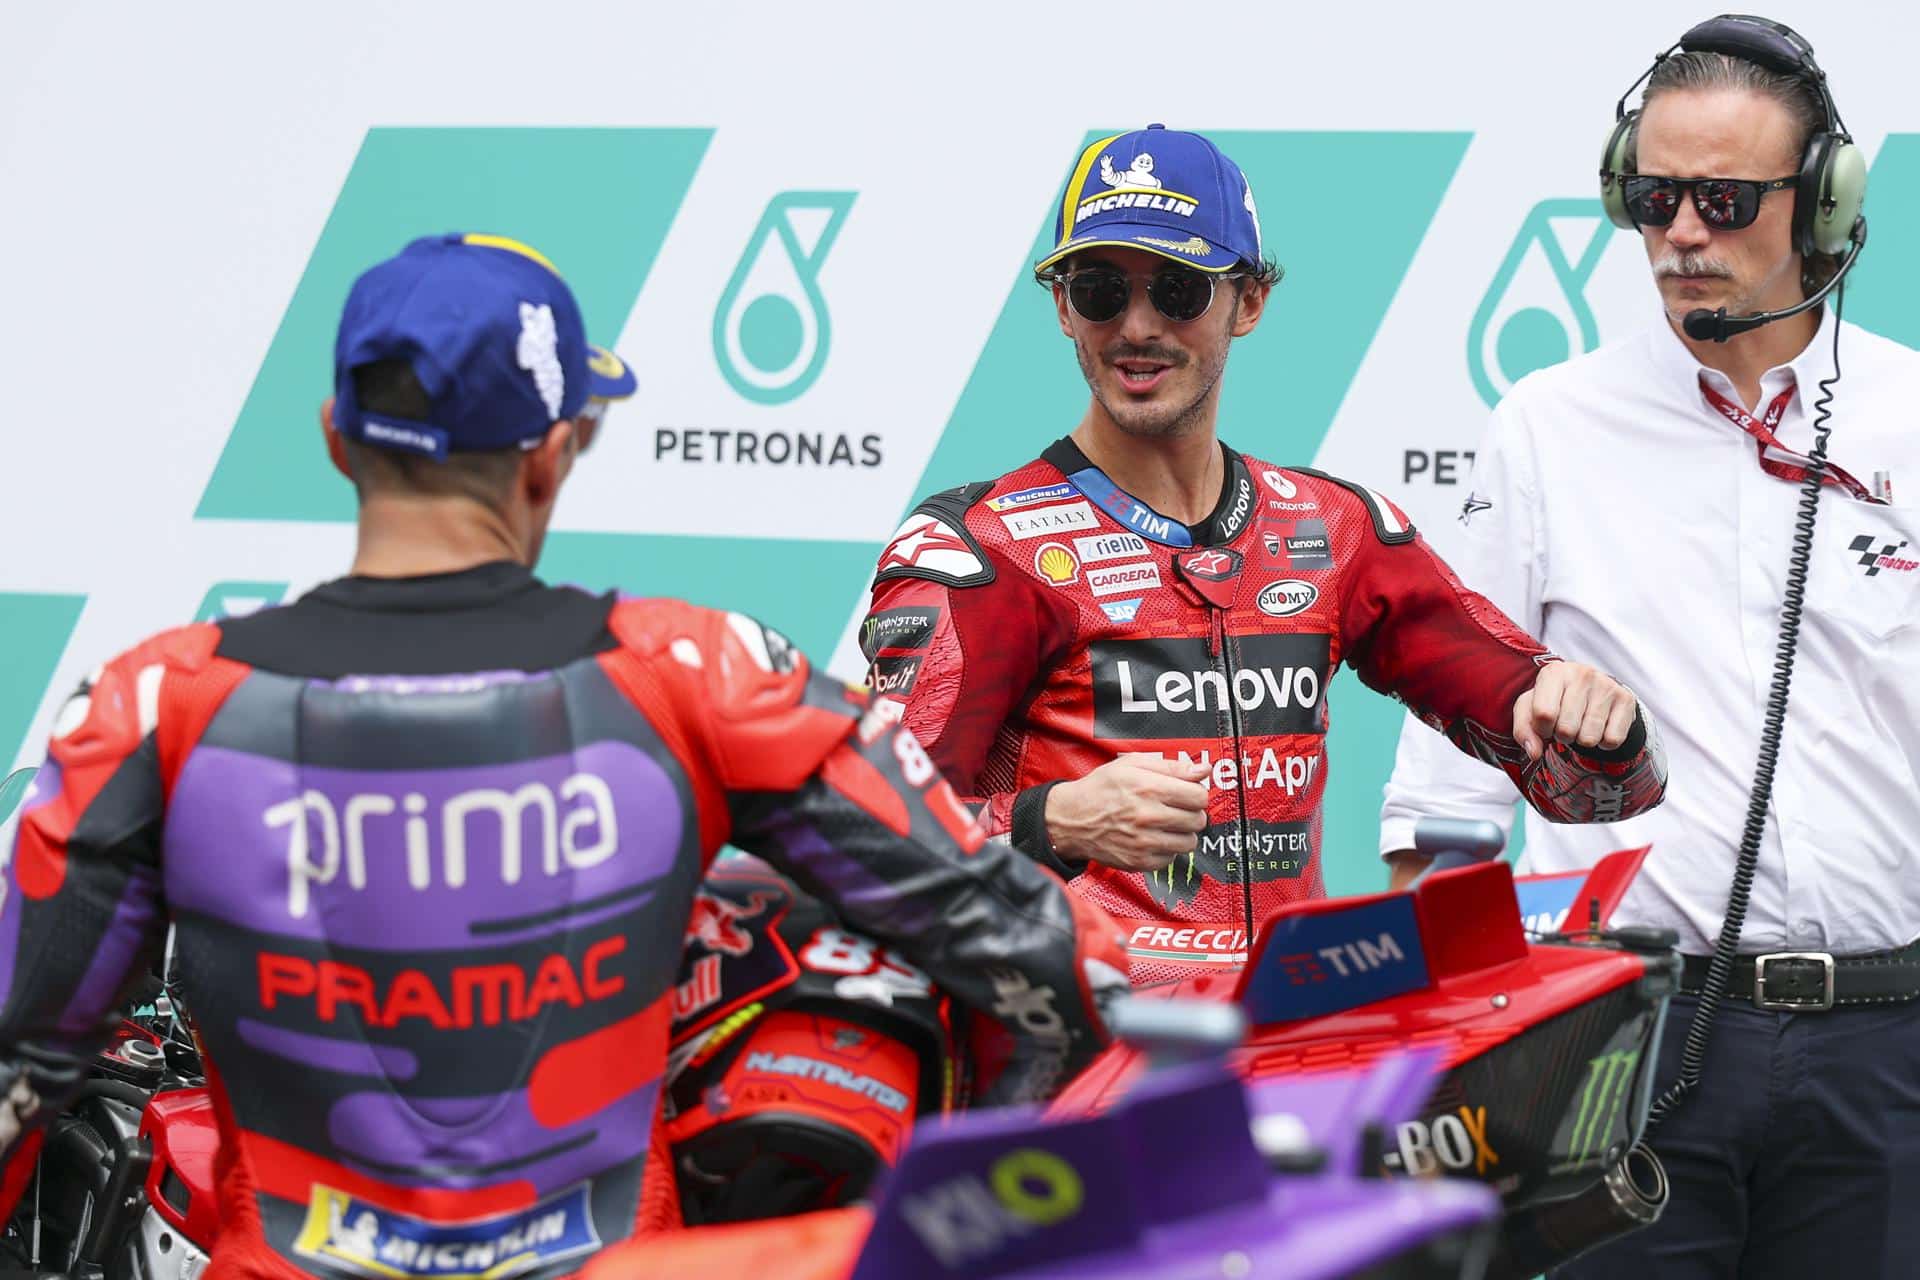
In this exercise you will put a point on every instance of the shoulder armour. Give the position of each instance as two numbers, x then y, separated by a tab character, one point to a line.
1389	525
933	542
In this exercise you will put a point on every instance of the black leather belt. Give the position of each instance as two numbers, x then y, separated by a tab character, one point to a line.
1814	981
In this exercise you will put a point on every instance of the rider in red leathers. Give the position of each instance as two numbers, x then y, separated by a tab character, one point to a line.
1142	588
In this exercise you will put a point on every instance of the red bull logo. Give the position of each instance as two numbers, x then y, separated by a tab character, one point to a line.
715	922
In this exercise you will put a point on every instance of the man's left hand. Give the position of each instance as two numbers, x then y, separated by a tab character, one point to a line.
1576	704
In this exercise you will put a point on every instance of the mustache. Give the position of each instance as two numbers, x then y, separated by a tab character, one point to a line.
1118	351
1691	264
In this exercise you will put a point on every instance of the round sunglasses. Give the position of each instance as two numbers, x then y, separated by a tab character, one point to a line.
1181	294
1724	204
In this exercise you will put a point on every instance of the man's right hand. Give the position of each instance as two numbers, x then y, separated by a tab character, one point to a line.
1137	812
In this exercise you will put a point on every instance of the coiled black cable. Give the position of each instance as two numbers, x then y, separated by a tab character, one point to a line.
1693	1054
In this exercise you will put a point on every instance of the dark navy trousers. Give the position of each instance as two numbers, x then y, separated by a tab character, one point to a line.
1798	1155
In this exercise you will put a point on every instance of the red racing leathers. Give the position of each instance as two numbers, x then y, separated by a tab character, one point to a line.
429	921
1036	627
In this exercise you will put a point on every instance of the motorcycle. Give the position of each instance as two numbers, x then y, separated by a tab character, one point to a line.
1546	1022
804	1056
1022	1195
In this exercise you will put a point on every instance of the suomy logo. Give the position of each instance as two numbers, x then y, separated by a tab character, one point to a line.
771	328
1287	597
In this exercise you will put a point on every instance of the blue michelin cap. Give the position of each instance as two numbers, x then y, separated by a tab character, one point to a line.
608	376
493	334
1170	193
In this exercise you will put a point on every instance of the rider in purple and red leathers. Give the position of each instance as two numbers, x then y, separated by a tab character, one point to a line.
430	837
1120	651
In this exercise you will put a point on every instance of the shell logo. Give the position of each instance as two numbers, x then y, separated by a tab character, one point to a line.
1056	564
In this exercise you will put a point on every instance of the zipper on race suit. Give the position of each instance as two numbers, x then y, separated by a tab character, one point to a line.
1223	650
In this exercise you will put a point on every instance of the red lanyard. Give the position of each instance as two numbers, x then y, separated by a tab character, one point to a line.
1788	464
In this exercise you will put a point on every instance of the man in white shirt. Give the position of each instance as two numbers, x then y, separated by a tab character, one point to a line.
1636	507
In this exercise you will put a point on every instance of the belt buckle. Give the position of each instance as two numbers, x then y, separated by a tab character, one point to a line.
1825	1000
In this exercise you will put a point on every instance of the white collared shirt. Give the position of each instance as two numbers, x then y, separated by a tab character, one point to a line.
1632	527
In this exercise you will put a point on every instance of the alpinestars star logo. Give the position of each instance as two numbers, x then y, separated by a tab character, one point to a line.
1473	506
916	542
1884	556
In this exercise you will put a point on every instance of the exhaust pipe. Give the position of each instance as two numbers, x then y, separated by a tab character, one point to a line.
1629	1196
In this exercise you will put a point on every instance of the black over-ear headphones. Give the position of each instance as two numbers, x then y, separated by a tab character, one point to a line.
1833	173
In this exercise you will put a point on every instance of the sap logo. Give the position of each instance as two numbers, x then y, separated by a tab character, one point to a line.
965	1219
584	836
1287	597
1455	1143
1295	773
1207	690
1121	610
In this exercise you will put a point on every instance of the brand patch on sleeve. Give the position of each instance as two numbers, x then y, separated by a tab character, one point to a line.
925	546
898	630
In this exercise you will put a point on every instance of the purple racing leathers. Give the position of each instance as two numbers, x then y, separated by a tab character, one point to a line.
430	919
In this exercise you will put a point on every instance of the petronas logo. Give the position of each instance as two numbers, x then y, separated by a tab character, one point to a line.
1535	312
1609	1080
771	328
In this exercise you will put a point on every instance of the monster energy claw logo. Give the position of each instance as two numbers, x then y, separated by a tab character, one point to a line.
770	329
1539	297
1609	1078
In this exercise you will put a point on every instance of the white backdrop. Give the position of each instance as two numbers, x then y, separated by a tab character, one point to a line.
168	178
